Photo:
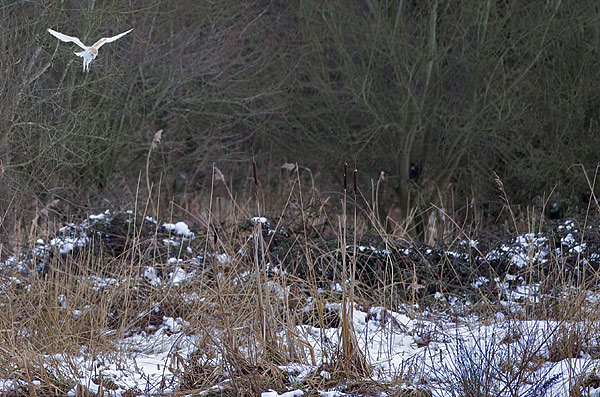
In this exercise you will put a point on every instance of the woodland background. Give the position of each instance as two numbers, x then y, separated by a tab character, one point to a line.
443	97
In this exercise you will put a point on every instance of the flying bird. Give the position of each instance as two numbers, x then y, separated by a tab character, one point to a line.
88	53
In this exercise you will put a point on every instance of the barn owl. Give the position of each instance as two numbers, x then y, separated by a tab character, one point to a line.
88	53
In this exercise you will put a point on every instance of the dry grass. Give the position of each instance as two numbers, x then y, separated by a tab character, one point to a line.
246	308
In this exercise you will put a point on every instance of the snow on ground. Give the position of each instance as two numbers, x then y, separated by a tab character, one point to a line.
433	351
146	369
180	228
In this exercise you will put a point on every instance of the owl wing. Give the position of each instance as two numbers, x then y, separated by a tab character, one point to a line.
65	38
105	40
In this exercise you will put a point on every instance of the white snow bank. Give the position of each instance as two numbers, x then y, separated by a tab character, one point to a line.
180	228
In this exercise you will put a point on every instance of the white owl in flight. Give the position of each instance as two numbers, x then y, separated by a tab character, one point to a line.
88	53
